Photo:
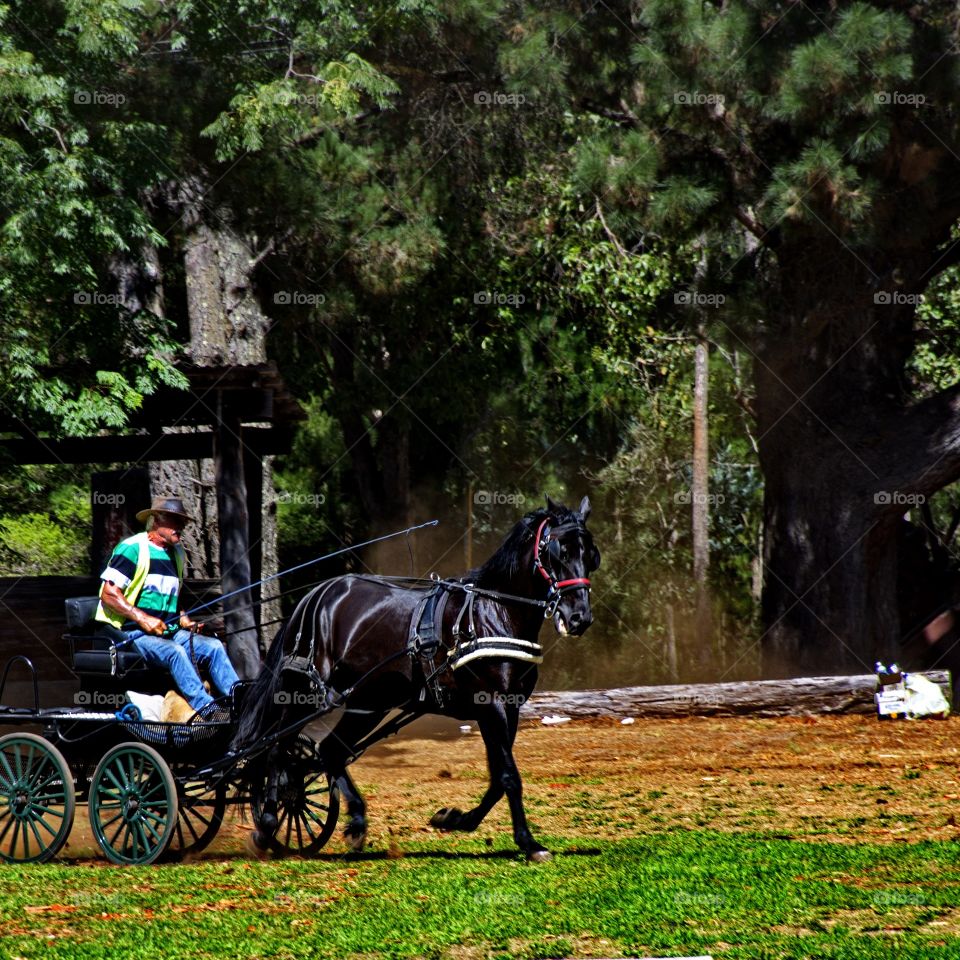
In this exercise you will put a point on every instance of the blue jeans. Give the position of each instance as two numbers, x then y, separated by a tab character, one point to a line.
174	654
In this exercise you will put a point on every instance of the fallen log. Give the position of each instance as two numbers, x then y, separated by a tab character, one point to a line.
802	696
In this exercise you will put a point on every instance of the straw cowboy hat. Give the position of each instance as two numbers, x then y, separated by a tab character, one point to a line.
171	506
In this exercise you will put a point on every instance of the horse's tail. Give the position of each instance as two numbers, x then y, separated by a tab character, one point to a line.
260	701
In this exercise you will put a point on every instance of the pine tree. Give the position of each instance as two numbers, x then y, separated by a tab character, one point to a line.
814	151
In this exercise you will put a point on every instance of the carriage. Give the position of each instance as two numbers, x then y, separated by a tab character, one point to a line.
382	651
154	790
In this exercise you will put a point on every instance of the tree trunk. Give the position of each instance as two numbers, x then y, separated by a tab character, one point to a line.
808	696
700	504
845	454
380	459
829	595
227	327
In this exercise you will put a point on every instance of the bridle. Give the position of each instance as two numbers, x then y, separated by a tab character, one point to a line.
547	539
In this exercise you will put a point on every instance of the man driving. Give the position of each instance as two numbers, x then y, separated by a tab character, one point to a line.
140	596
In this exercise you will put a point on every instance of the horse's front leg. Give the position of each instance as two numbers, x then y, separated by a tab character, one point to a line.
498	727
355	832
267	823
336	753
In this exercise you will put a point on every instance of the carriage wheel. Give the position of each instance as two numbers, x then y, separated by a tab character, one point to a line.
37	799
200	812
133	804
308	803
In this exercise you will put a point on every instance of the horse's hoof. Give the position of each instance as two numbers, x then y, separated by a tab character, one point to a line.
267	824
448	818
539	856
356	839
258	844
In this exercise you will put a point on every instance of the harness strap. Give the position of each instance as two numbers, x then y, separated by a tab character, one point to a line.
467	609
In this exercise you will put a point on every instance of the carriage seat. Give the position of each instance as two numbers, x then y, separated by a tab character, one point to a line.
92	644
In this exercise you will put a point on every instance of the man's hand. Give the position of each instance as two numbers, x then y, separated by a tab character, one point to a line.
150	624
113	598
187	624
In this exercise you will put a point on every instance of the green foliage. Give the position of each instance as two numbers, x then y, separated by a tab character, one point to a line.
44	524
70	175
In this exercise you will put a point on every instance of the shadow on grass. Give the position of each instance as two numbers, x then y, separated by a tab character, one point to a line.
370	856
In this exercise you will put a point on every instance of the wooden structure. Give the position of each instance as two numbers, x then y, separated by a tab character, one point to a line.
235	415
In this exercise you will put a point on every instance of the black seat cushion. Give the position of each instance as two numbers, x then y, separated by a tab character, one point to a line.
80	612
91	652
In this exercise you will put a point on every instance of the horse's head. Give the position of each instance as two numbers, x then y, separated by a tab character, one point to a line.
564	556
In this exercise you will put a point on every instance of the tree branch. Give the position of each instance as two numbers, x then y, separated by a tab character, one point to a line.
949	258
613	237
923	445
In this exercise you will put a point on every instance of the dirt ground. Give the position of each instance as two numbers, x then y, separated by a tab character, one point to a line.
845	779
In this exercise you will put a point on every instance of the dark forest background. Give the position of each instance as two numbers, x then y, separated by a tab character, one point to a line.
482	240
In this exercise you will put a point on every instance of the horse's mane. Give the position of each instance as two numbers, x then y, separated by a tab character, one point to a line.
255	713
507	563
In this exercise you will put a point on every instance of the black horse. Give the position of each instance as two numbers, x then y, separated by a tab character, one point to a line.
464	648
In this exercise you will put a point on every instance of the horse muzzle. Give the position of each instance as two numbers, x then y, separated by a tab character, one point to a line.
575	624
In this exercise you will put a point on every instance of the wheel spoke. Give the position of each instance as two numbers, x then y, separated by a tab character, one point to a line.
11	776
36	833
119	784
13	839
157	787
11	823
307	802
143	828
46	826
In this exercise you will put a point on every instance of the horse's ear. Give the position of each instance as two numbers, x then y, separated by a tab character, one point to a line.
584	508
552	505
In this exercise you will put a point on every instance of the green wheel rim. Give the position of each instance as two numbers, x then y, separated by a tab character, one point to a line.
37	799
133	804
308	804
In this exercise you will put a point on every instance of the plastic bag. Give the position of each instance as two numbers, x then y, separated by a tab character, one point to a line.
924	697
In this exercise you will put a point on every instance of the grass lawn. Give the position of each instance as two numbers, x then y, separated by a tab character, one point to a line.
674	893
739	838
